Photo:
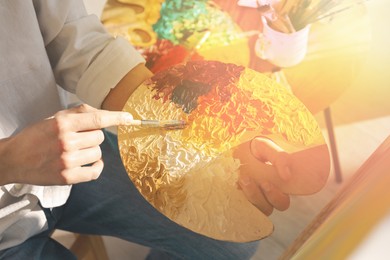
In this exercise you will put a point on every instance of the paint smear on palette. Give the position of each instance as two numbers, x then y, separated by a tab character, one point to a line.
186	83
164	54
210	89
186	23
179	19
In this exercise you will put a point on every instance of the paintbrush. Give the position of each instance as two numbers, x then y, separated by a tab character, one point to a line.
164	124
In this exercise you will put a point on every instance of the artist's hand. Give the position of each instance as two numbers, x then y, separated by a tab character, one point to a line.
260	191
269	174
57	150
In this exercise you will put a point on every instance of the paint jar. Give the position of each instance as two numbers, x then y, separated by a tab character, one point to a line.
282	49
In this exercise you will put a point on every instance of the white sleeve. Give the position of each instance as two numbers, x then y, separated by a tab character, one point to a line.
86	60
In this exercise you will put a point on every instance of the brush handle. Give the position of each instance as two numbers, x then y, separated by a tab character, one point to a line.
145	122
167	124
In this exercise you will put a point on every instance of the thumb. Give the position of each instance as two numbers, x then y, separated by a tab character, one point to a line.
264	149
267	151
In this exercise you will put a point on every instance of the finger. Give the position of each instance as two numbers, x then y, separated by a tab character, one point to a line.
264	149
82	140
96	120
267	151
81	157
275	197
254	194
83	174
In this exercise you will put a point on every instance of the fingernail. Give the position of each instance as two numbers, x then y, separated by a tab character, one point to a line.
256	152
128	118
244	180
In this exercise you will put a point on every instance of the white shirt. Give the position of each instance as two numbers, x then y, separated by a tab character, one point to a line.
44	44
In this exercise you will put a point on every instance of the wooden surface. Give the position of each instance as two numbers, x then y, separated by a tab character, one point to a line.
347	219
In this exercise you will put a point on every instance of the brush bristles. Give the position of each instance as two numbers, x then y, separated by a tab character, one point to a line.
173	124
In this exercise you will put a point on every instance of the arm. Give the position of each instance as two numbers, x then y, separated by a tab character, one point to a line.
86	60
117	97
